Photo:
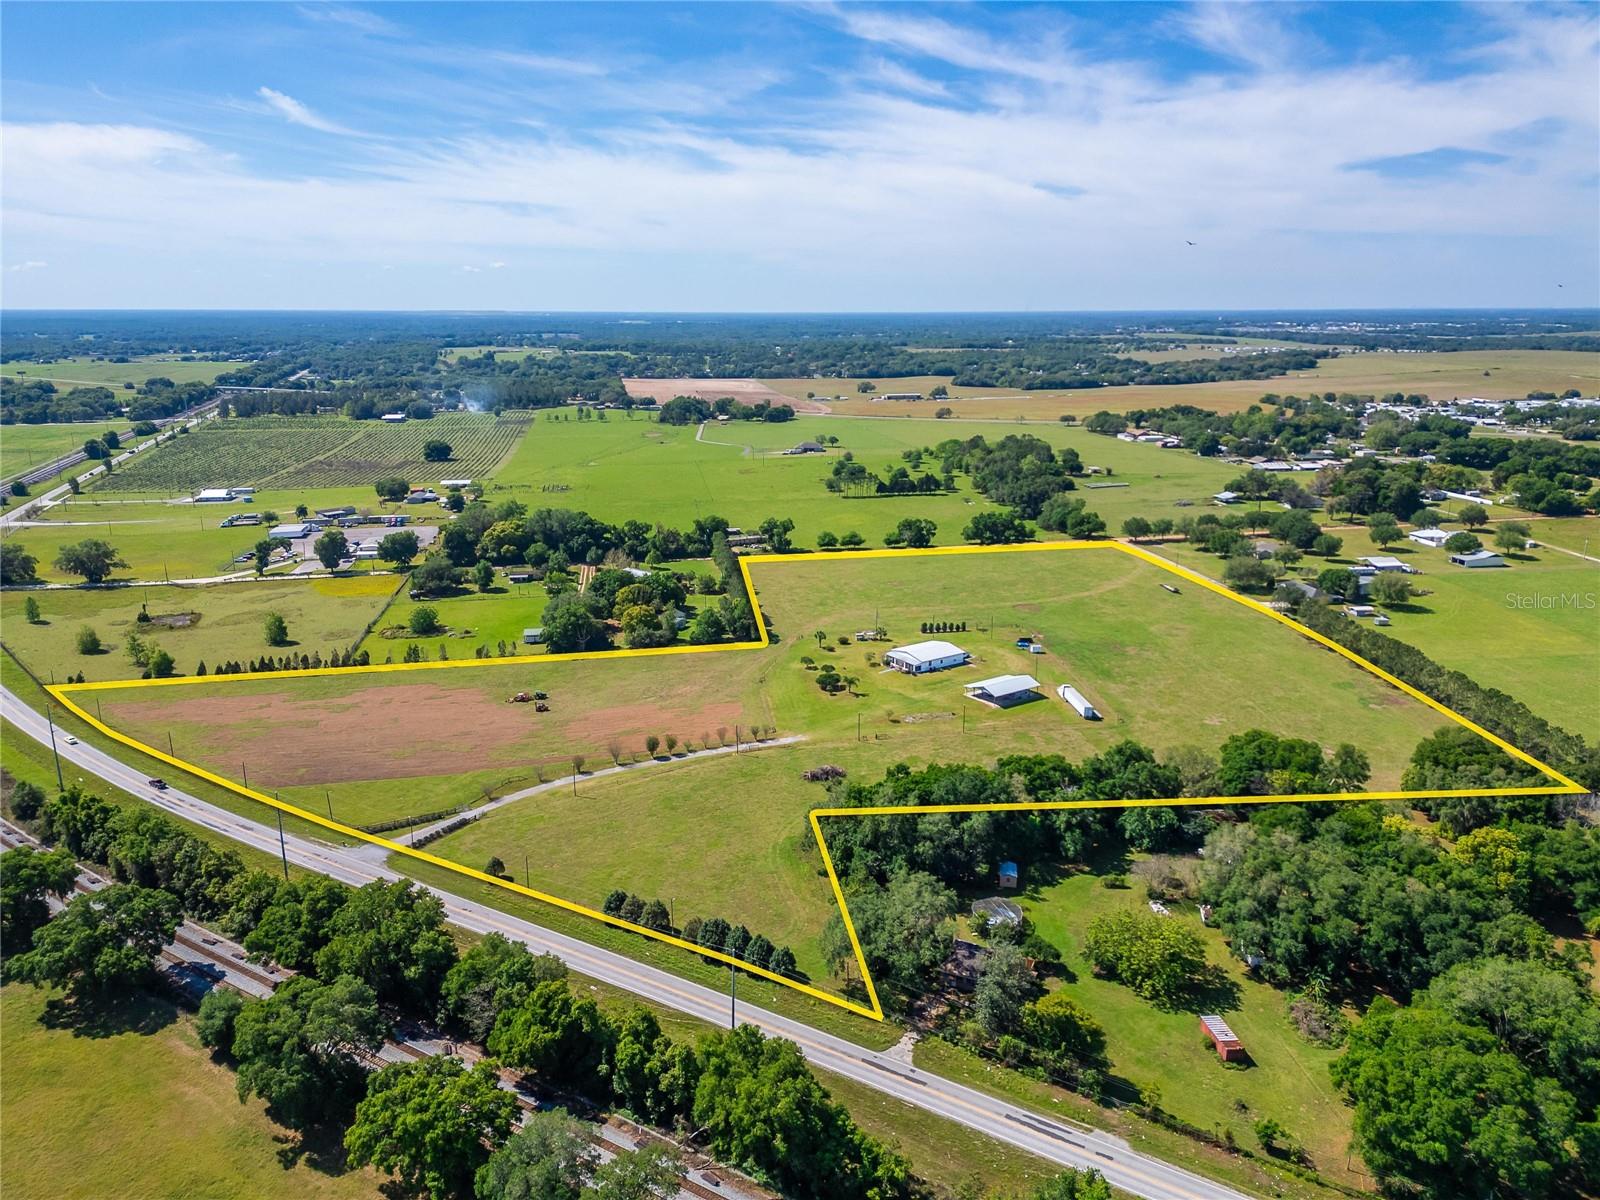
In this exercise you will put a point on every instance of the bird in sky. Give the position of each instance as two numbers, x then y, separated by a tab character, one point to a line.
1187	242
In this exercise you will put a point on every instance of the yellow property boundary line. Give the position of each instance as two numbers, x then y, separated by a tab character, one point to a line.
874	1009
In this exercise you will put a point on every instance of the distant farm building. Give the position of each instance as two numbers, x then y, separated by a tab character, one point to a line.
393	418
1227	497
1478	558
447	484
921	657
1229	1047
1009	875
964	965
290	532
215	496
806	448
1003	691
421	496
1432	538
534	636
901	396
1076	700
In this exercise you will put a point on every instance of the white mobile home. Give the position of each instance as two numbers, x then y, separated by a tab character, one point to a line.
921	657
1432	538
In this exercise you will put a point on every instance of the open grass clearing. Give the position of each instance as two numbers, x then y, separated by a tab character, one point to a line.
624	468
210	623
1287	1078
68	373
1531	629
163	538
26	446
138	1110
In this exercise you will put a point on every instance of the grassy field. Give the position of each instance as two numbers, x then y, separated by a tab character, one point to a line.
211	623
136	1109
1494	374
1288	1078
727	835
620	468
164	539
287	452
24	446
67	373
1529	629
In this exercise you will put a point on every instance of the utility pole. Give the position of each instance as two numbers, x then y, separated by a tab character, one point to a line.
244	769
527	879
328	796
283	848
170	751
733	997
60	783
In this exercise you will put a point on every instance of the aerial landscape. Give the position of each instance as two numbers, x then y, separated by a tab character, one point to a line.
830	602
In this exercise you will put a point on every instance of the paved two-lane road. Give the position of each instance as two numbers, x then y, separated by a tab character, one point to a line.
1068	1145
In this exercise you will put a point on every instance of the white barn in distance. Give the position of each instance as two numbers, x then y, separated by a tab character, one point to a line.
921	657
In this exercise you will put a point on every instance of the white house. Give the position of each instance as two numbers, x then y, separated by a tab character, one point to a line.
1433	538
922	657
1004	690
1478	558
1387	562
1077	700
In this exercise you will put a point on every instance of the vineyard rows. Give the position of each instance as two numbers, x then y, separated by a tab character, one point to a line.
288	452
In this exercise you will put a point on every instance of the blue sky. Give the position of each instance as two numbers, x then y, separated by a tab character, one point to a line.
799	157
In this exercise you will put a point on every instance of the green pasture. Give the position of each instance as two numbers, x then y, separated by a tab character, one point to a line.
1530	629
163	539
129	1104
25	446
1288	1076
210	623
473	618
68	373
637	468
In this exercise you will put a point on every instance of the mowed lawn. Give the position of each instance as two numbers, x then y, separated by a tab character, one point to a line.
141	1114
621	469
1493	374
160	539
210	623
1163	669
24	446
1288	1075
1530	629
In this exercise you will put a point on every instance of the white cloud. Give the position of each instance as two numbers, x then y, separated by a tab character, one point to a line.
298	114
32	264
941	204
1253	33
358	19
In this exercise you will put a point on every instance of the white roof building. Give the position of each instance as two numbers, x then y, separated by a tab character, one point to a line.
1387	562
1078	701
1429	537
1478	558
214	495
921	657
300	530
1004	689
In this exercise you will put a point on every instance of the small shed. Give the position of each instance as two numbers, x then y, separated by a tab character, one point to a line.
1008	875
534	636
1229	1047
964	965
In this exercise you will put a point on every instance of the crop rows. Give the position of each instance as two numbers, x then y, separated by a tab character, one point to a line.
283	452
480	443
